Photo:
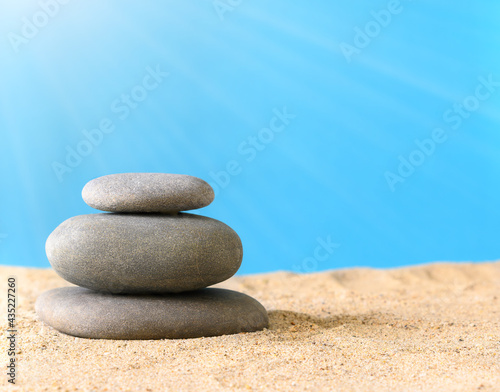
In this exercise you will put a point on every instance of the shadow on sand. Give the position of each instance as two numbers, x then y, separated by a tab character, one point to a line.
285	319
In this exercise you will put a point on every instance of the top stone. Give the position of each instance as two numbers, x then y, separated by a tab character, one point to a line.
147	192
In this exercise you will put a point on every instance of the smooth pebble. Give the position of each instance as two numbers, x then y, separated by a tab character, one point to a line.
209	312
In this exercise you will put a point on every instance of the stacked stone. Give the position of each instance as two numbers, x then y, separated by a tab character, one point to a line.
143	266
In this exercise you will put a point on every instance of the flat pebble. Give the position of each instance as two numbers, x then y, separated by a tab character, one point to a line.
144	253
147	192
209	312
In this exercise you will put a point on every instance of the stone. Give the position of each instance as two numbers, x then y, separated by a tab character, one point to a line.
85	313
144	253
147	192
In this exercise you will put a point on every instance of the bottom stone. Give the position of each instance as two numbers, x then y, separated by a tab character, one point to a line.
209	312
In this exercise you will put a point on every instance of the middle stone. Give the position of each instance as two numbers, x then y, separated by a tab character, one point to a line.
132	253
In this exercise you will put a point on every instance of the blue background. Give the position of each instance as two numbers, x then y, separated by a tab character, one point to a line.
322	178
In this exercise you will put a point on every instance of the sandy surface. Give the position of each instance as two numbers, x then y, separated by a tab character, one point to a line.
428	328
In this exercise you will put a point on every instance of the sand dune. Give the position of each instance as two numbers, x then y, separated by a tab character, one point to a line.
427	328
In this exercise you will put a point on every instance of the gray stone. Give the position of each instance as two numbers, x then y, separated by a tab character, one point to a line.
147	192
144	253
210	312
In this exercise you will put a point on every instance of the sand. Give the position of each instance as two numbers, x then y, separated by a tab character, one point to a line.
426	328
